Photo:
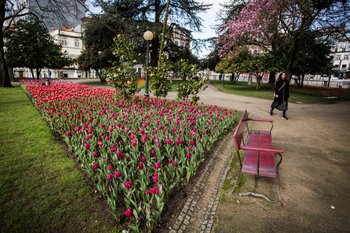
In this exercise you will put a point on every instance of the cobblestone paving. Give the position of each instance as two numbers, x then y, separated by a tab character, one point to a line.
199	210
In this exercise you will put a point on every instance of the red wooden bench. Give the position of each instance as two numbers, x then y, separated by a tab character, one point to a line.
259	155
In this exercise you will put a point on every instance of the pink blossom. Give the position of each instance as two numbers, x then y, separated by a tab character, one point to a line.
110	167
109	176
69	133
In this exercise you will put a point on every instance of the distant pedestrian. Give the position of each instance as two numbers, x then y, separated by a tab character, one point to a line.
281	95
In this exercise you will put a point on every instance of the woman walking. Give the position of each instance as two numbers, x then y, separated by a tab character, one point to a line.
281	95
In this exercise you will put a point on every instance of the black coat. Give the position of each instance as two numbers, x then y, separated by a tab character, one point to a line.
282	90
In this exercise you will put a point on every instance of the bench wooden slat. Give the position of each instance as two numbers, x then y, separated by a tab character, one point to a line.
250	162
267	165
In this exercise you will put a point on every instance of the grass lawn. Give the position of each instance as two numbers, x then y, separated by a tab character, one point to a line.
41	189
304	95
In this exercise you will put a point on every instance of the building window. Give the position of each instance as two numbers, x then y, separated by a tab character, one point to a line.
64	41
343	67
77	43
337	57
346	57
336	66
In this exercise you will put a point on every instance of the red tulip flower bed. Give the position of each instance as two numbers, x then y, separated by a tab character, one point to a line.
137	152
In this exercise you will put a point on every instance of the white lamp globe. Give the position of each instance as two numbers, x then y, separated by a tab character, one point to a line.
148	35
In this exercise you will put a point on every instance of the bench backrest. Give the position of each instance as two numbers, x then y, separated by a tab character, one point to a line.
239	130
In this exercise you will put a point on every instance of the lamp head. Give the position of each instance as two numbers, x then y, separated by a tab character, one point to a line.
148	35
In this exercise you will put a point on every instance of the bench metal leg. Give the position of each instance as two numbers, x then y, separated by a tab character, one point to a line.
278	164
239	159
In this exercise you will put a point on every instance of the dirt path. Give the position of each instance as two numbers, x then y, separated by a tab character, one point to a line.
312	193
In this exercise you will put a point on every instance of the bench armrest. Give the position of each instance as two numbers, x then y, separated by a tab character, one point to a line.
261	120
274	150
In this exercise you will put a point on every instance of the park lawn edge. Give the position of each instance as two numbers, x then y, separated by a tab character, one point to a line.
41	187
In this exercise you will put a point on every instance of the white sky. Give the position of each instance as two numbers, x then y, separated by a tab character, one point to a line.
209	21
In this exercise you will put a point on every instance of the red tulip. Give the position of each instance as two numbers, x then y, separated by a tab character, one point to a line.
129	213
120	155
128	184
155	179
117	174
95	166
95	154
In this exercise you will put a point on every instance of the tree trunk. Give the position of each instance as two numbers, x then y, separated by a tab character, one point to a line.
32	72
102	79
4	74
37	73
302	81
272	77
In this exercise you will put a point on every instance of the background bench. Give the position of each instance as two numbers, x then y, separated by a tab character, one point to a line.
259	154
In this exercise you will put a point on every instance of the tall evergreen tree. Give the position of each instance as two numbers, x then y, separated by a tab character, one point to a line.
133	18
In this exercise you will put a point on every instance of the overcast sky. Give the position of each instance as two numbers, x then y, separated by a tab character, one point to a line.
209	21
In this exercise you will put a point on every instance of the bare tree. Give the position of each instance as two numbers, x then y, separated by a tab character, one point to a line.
54	13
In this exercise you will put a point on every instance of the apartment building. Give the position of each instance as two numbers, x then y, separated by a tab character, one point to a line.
340	54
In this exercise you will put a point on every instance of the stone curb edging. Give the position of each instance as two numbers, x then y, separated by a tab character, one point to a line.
186	217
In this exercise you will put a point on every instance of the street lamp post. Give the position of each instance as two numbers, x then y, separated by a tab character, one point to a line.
148	36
